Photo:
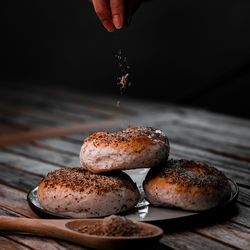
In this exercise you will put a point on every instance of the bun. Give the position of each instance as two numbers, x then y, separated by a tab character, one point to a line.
78	193
186	184
142	147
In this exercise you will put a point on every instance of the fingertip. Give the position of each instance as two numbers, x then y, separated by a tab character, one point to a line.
108	25
117	21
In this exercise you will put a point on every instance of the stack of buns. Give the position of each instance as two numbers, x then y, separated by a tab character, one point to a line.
101	188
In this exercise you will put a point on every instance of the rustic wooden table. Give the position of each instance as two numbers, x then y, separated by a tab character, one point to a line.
42	129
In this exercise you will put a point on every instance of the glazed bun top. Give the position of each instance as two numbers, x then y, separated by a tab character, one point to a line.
142	147
81	180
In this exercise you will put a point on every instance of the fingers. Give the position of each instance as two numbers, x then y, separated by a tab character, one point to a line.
118	13
102	9
115	13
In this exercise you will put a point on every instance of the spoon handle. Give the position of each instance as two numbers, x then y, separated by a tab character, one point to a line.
37	226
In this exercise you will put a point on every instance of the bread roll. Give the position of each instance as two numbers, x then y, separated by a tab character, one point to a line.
186	184
142	147
78	193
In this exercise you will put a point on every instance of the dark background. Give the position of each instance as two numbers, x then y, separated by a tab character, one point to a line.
188	52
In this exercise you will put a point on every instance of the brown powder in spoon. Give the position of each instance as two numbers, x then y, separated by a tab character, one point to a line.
114	226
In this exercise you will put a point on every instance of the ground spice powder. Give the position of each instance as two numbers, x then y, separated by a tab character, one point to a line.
114	226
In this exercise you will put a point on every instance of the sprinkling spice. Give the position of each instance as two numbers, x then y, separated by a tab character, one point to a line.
114	226
123	79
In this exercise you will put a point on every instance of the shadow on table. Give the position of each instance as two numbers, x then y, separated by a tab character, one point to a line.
199	221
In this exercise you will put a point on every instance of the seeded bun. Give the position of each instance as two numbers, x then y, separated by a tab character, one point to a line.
186	184
142	147
78	193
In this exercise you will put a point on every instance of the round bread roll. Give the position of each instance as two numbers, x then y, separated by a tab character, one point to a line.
78	193
189	185
142	147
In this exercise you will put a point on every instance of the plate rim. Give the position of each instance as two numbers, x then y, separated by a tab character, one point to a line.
234	196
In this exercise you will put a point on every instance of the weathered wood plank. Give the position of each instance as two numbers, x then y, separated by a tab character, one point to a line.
244	196
207	139
18	179
243	215
6	140
26	164
190	240
47	155
47	115
78	138
9	128
93	103
36	105
194	117
6	244
15	200
221	160
27	119
62	145
7	212
228	232
39	99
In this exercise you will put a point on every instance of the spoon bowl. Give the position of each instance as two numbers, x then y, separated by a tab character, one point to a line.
66	229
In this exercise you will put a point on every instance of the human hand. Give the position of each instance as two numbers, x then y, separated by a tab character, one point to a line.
115	14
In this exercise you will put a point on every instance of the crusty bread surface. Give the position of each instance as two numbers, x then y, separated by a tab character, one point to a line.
189	185
142	147
78	193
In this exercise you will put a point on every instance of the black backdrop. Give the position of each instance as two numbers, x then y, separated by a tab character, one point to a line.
188	52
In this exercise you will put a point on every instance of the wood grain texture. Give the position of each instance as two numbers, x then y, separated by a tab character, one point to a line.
63	145
60	104
25	164
6	244
8	128
190	240
46	155
24	137
46	114
244	196
48	108
15	200
243	215
32	120
232	234
18	179
95	104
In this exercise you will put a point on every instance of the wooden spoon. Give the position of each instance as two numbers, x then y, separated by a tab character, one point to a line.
66	229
